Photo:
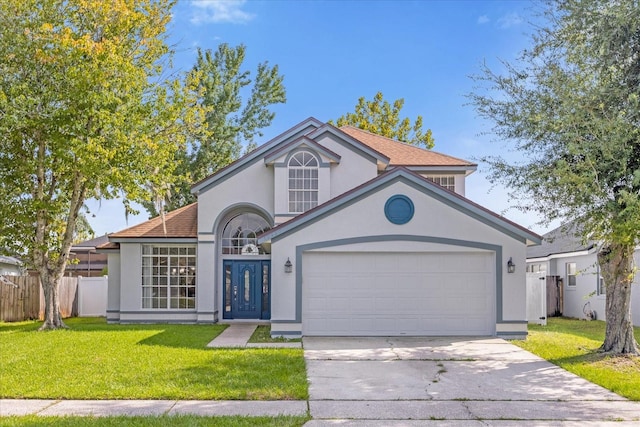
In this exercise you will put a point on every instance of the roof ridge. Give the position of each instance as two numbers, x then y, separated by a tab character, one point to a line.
260	147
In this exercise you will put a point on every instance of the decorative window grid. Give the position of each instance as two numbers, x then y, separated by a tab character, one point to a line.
240	235
303	182
446	181
168	277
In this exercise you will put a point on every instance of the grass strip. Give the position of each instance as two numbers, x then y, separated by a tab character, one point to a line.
262	334
573	345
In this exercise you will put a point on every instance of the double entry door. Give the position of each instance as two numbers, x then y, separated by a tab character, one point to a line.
246	289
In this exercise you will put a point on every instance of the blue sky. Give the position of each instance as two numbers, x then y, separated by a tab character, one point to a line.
333	52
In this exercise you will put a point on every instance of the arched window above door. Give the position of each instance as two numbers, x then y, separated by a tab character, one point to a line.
239	236
303	182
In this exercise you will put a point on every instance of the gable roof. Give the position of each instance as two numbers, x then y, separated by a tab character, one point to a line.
182	222
353	143
562	240
384	151
296	143
417	181
403	154
302	128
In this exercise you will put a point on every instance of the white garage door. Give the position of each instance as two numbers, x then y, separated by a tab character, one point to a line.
385	294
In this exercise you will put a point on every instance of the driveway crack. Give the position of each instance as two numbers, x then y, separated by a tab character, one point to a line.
392	348
472	416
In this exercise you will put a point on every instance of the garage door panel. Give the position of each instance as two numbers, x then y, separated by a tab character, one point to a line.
398	294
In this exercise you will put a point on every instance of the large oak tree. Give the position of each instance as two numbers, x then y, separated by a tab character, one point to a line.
84	112
571	106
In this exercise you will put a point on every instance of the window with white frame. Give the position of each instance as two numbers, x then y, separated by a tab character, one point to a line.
446	181
169	277
240	234
571	273
303	182
602	289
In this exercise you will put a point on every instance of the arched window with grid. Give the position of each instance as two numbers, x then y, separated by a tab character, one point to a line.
303	182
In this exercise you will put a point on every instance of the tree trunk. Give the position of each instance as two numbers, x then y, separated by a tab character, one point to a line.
50	288
617	271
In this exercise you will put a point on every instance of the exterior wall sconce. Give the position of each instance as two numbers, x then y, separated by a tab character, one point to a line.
511	267
288	266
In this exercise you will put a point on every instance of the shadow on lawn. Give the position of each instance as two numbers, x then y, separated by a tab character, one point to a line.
157	334
183	336
589	329
595	356
20	327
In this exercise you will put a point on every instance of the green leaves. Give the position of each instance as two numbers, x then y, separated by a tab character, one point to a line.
380	117
570	106
84	112
231	121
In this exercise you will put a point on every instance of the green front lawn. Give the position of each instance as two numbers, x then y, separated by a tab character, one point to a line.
164	421
573	345
94	360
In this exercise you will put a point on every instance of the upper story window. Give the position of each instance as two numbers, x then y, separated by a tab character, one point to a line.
303	182
446	181
240	234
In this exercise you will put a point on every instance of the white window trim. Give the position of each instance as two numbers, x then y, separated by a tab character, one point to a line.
156	274
301	206
449	185
575	274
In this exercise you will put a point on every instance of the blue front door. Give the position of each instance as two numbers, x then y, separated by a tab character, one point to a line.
246	289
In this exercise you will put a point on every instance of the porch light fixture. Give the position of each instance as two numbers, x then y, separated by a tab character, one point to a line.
511	267
288	267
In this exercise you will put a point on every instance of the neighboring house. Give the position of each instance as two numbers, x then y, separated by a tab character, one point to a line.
10	266
572	275
86	261
327	231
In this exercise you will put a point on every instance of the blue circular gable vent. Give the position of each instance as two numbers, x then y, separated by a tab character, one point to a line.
399	209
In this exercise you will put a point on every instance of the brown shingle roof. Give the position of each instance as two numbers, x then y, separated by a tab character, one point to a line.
402	154
182	222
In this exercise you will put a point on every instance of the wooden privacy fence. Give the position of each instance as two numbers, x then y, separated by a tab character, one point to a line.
21	298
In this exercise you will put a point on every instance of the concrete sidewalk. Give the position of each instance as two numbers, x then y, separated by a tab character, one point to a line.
237	336
102	408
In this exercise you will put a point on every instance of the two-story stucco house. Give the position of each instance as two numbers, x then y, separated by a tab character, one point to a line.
327	231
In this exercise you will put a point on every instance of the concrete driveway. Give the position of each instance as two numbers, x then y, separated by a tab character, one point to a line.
449	381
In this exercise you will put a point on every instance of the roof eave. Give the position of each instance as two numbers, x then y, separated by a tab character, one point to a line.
466	169
155	239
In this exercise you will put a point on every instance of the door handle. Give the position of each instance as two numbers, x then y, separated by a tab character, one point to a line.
235	291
